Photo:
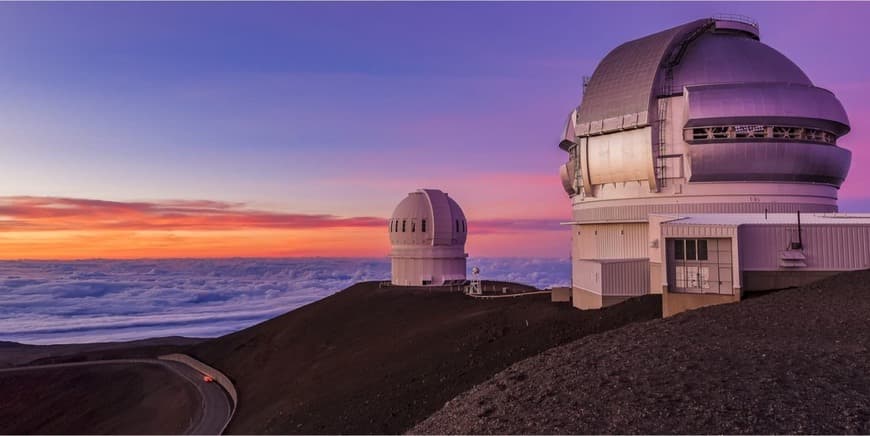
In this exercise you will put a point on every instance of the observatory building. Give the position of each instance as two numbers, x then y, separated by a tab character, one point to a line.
690	158
427	234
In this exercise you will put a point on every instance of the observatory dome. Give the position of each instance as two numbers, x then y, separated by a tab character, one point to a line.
705	101
429	217
717	58
696	119
428	231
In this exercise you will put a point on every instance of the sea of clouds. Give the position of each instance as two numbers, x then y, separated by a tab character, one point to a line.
47	302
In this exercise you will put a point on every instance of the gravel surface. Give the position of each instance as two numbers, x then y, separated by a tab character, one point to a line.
794	361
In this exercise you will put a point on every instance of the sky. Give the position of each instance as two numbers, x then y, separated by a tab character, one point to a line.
292	129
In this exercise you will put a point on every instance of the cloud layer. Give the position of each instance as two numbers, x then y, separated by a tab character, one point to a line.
55	213
102	300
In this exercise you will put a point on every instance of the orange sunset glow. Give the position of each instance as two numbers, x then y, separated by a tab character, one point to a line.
70	228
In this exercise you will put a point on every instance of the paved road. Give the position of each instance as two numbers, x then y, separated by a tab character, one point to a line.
216	409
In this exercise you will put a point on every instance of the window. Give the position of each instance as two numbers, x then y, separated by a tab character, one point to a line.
423	226
403	225
690	249
464	228
702	249
413	226
457	226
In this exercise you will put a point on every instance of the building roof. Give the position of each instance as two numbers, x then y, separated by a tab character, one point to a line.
737	219
441	213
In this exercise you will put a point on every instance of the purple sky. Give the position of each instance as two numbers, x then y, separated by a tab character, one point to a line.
343	108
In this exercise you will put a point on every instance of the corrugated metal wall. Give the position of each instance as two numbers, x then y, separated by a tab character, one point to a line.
629	278
677	230
612	278
610	241
826	247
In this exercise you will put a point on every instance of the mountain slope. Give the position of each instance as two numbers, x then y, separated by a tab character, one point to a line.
378	360
794	361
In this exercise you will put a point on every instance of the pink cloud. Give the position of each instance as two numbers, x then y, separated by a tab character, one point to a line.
55	213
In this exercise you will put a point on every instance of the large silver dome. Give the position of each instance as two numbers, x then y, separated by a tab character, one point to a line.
710	101
716	58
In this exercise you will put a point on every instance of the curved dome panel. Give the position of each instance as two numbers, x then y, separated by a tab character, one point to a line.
770	161
773	103
715	58
624	80
460	227
406	224
428	217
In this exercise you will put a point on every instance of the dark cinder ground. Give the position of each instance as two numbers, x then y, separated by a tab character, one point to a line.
795	361
373	360
97	399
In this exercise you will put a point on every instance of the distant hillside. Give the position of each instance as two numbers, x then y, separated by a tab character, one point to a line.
795	361
15	354
371	360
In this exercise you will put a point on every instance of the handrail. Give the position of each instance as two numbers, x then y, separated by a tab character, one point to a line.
738	18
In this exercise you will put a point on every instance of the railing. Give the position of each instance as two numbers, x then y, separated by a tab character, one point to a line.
738	18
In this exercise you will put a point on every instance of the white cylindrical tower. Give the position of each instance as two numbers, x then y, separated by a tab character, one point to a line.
427	234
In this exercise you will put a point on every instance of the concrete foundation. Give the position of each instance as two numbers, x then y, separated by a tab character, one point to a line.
655	278
674	302
583	299
560	295
767	280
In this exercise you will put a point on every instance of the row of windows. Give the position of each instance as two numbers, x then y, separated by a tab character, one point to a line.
402	226
690	249
757	131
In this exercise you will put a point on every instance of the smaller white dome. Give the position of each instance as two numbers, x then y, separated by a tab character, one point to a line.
428	217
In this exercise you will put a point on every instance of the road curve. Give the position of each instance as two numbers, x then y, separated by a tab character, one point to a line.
216	409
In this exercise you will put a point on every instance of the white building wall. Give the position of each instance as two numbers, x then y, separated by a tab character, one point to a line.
610	241
586	275
411	265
